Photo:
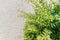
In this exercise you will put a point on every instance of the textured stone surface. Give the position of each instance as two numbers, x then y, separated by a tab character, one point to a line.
11	26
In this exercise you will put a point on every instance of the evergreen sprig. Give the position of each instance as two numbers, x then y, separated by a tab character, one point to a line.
45	23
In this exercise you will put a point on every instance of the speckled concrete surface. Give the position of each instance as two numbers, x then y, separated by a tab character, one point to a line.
11	26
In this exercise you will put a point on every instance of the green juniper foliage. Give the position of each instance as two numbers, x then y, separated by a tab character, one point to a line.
44	24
